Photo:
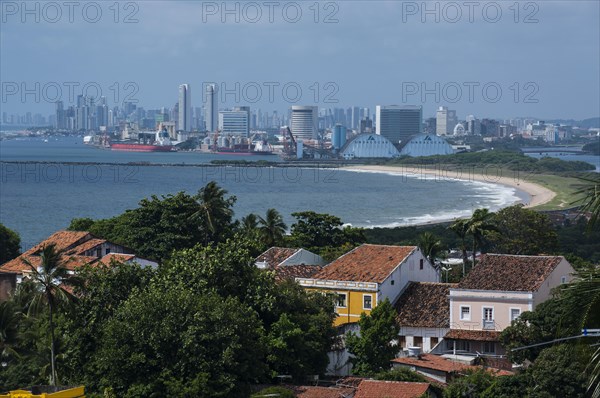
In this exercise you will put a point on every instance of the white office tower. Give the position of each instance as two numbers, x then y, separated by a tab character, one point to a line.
398	123
445	121
304	122
235	122
212	107
185	108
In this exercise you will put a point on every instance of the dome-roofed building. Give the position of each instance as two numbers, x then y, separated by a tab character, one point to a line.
426	145
459	129
369	146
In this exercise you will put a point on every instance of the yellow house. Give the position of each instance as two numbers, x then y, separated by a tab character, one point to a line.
38	392
369	274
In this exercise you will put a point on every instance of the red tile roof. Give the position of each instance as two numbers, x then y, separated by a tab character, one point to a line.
436	362
390	389
284	272
510	273
85	246
366	263
322	392
474	335
118	257
275	256
425	304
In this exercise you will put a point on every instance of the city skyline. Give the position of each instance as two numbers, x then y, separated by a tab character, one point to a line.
411	62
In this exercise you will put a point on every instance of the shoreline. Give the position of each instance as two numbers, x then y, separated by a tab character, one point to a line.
538	194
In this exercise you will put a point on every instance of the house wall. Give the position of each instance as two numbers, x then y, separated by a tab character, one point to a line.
408	271
303	256
8	283
501	302
114	248
563	269
410	333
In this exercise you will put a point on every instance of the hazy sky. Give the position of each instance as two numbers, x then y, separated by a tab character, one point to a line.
543	56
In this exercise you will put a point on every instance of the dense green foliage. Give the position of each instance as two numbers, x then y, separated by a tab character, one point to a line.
373	350
324	234
208	323
400	374
498	162
280	392
10	244
472	385
523	231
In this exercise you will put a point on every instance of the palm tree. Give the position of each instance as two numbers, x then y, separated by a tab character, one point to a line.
249	223
50	279
272	228
590	201
9	329
460	228
430	245
478	226
214	207
587	283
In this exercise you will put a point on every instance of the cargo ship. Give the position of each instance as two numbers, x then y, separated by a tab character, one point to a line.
161	143
239	146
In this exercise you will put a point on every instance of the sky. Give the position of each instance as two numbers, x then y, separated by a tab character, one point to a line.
498	59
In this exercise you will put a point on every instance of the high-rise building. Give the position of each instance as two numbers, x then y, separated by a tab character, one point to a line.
60	116
304	122
235	122
445	121
211	107
185	108
398	123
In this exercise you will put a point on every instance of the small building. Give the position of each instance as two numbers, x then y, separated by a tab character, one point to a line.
369	146
496	291
290	263
367	275
426	145
440	369
77	248
423	315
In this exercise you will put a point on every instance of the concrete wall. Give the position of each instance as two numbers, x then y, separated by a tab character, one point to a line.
563	273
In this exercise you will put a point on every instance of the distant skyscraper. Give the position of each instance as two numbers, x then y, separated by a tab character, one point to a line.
235	122
398	123
304	122
212	107
185	107
445	121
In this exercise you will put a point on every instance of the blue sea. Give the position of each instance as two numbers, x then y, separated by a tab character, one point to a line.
37	199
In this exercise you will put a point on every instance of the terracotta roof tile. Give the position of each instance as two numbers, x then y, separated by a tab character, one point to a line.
436	362
322	392
118	257
285	272
85	246
510	273
390	389
425	304
275	256
366	263
474	335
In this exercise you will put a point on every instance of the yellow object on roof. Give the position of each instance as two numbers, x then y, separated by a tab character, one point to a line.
77	392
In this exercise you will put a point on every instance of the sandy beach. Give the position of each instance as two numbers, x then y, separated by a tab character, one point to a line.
538	194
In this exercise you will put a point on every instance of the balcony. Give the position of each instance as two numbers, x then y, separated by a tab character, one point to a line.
489	325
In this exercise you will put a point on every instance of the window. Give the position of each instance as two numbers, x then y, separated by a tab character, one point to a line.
367	304
341	300
107	250
433	342
563	279
465	313
402	341
421	264
99	252
488	347
462	345
514	313
488	314
418	341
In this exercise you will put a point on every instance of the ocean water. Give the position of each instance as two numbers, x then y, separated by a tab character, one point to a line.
37	199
